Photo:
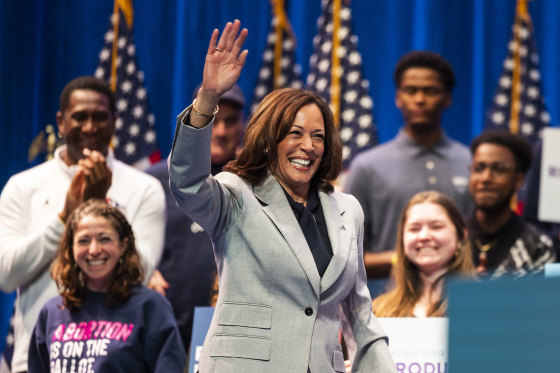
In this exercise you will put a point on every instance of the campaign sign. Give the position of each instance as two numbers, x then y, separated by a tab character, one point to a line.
549	195
201	324
417	345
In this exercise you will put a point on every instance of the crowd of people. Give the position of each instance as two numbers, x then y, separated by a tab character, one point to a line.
109	262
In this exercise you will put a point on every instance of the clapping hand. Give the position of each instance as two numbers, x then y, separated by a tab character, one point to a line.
97	175
92	180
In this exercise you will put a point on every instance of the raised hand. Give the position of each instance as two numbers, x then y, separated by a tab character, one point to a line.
222	67
224	59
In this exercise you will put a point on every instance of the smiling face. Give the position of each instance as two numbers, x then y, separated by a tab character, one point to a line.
97	250
87	122
494	178
421	97
429	237
300	152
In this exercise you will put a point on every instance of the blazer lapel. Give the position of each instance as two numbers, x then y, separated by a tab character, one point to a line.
339	236
276	206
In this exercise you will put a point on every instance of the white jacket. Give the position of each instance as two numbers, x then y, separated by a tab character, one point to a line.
30	231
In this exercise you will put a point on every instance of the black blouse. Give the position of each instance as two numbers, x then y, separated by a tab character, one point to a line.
312	223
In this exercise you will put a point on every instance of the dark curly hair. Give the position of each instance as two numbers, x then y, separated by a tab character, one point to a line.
68	276
517	145
270	124
429	60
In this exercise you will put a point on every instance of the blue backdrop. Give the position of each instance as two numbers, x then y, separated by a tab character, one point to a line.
46	43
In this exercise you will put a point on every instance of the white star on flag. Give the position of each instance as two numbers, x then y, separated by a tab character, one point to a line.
289	72
353	111
520	70
130	144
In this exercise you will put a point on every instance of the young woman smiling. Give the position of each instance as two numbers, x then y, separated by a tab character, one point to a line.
104	320
431	245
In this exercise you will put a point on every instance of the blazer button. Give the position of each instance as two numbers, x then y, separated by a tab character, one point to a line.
309	311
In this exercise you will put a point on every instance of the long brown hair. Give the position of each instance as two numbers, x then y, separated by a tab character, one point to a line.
68	276
406	286
271	123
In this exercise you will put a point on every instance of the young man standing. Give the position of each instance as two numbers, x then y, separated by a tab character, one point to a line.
420	157
502	242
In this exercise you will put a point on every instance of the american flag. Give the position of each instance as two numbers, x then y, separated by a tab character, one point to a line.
335	73
521	109
134	141
279	68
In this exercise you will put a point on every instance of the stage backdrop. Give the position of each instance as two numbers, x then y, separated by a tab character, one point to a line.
46	43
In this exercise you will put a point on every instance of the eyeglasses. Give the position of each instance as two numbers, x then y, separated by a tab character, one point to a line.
497	168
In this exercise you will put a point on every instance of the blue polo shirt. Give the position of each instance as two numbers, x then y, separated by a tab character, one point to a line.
385	177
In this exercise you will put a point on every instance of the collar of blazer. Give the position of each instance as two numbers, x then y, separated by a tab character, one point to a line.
276	207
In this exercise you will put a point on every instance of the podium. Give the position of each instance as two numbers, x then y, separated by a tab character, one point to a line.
505	325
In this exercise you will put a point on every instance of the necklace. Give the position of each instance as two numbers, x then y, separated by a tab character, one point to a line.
483	256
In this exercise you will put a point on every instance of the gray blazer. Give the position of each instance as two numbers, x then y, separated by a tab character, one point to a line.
274	312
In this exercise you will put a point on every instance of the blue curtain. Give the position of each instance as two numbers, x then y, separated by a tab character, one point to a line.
46	43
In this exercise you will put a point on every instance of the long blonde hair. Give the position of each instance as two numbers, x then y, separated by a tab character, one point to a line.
406	286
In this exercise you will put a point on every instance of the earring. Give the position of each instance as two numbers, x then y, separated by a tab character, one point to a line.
266	152
458	250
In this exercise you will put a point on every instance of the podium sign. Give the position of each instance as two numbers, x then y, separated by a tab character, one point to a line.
417	345
549	197
201	323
